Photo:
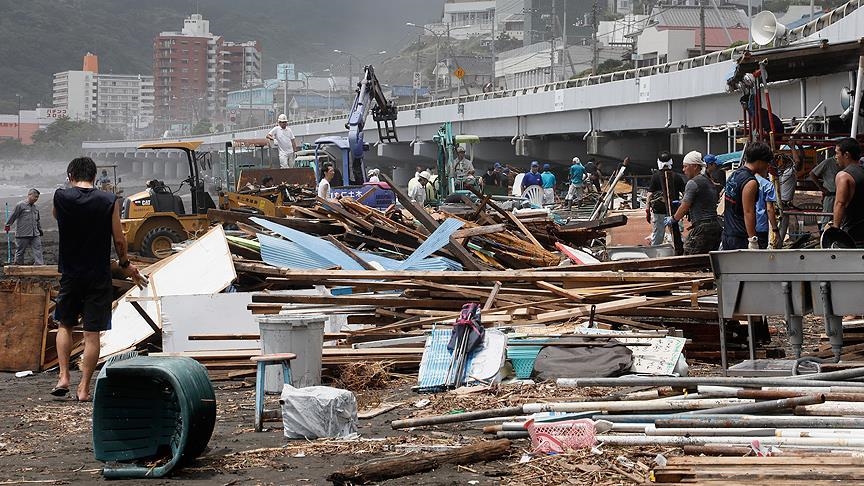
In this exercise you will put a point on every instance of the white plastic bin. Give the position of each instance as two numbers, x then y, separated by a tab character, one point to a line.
300	334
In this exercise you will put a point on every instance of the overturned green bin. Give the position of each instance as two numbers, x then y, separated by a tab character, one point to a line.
151	414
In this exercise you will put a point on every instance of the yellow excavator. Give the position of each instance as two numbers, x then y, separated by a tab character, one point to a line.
154	219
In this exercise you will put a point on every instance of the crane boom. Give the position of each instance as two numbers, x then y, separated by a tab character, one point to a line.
384	111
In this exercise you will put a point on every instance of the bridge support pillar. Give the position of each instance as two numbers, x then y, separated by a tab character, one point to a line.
147	167
137	166
159	168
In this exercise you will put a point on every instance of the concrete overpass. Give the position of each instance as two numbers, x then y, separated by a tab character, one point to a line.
636	112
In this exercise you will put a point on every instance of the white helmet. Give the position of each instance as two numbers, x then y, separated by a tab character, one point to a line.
424	175
282	118
576	160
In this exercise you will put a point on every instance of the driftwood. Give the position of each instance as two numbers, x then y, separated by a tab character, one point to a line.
417	463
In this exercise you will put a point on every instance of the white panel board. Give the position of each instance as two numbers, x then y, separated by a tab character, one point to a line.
205	267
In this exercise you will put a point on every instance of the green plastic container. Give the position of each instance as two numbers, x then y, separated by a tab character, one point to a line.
523	358
151	410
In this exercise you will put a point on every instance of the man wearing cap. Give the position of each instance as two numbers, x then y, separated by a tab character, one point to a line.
28	230
577	182
699	204
715	173
492	176
548	183
417	192
459	168
656	207
285	140
849	201
532	178
823	176
740	196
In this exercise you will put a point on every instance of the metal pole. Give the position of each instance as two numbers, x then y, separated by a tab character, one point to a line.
766	406
8	239
696	381
856	105
19	116
702	27
711	421
750	24
494	53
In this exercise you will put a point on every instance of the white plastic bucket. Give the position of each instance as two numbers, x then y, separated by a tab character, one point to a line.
302	335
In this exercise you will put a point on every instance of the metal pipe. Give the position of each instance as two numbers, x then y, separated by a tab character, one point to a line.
590	124
767	406
775	394
511	434
668	115
459	417
640	440
631	406
832	409
856	105
739	451
680	420
833	324
695	381
652	430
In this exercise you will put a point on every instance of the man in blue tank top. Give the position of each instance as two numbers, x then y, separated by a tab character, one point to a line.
849	182
740	196
87	219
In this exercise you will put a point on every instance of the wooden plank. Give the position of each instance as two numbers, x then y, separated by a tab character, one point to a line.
319	275
490	301
31	271
355	300
380	409
348	251
478	230
24	322
559	291
430	224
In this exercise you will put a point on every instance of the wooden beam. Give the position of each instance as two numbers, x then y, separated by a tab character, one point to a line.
478	230
31	271
348	251
491	299
559	291
430	224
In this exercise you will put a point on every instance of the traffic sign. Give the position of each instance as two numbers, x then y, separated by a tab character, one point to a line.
459	72
417	80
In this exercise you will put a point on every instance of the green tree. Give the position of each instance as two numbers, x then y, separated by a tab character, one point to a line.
65	136
202	127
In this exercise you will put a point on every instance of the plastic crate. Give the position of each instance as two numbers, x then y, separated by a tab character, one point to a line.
559	436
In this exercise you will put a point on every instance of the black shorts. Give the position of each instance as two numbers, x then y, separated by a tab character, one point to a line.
90	299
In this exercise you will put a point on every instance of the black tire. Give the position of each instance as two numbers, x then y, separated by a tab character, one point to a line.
157	242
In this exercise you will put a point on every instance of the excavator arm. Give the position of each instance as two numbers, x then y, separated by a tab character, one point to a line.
384	113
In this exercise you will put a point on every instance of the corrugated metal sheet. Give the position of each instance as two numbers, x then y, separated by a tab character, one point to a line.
435	241
685	16
303	251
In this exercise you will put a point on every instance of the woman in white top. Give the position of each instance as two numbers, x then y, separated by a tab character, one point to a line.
324	185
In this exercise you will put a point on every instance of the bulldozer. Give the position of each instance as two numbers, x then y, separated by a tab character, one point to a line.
154	219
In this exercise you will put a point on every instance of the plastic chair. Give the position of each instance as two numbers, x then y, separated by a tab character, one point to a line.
263	362
146	409
534	195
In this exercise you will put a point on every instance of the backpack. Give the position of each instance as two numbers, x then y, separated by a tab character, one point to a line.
468	325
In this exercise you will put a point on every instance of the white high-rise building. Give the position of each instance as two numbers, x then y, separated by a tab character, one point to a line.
123	102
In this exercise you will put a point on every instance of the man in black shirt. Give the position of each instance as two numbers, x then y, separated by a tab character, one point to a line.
849	201
656	209
87	219
740	196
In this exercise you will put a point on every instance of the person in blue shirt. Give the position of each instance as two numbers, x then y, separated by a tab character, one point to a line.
577	182
765	212
548	183
532	178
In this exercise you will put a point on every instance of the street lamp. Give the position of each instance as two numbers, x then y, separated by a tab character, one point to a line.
437	48
359	61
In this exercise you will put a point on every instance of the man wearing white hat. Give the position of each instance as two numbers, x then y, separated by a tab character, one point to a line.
417	192
373	175
285	140
699	203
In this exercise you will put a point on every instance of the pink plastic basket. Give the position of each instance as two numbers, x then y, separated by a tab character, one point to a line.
556	437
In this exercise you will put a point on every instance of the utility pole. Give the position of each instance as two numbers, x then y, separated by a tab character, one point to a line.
702	27
19	117
594	53
553	20
417	66
493	53
449	60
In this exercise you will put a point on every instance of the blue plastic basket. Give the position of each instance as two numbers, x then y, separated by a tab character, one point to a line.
523	358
